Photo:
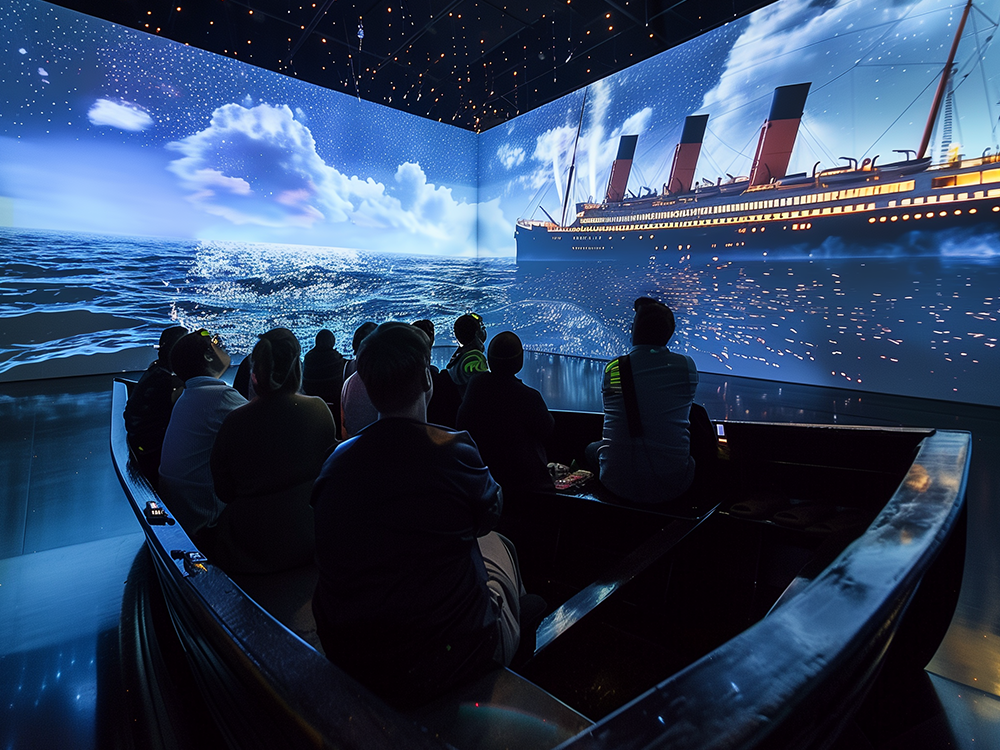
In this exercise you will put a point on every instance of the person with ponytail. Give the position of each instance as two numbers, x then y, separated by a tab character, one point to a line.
265	459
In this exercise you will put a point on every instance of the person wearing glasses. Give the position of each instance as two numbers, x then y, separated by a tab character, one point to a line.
186	485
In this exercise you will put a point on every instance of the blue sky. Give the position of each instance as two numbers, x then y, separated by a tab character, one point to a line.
873	69
105	129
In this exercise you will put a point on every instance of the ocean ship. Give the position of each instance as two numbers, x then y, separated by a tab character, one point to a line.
870	203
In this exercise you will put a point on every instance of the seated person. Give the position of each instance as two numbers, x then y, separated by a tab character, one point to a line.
443	407
508	420
468	360
645	454
408	601
185	476
266	457
356	410
351	366
241	381
147	412
323	372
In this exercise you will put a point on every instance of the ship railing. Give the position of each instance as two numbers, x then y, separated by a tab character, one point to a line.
528	223
979	161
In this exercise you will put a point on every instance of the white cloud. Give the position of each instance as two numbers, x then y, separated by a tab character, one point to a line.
510	156
43	72
259	166
595	150
814	42
121	115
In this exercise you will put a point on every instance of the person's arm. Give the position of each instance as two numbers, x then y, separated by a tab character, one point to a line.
483	493
221	463
542	421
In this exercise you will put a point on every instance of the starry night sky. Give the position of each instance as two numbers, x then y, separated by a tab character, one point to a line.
105	129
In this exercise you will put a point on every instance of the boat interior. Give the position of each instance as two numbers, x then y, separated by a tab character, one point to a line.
637	599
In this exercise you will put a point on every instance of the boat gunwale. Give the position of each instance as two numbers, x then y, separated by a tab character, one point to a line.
226	627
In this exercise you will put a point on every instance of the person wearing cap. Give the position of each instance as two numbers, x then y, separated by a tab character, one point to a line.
264	462
508	420
645	453
415	593
469	359
147	412
186	486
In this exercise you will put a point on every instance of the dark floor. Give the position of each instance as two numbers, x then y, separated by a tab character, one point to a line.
68	538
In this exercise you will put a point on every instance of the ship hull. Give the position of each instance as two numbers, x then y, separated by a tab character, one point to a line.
887	212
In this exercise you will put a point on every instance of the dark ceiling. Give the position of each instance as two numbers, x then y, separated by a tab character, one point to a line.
471	63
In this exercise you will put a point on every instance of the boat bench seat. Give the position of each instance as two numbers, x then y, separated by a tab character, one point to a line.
585	601
500	710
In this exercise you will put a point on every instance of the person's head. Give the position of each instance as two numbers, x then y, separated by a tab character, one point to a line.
470	329
199	353
653	324
275	363
505	355
168	338
325	339
394	364
359	335
427	326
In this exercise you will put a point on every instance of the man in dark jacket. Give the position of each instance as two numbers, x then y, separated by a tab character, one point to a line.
415	593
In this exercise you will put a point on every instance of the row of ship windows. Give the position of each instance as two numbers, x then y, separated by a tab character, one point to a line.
782	215
974	178
800	226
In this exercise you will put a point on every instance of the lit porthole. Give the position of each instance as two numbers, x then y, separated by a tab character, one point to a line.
916	216
809	225
881	220
763	228
972	210
996	208
906	217
871	220
958	212
943	213
893	218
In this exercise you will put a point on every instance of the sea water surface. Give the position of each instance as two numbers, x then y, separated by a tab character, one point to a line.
923	326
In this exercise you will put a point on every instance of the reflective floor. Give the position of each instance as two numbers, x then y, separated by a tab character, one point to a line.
68	538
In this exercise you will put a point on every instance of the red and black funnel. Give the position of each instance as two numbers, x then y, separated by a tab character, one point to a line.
777	137
686	154
621	168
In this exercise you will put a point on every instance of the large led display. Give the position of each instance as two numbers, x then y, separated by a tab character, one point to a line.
793	233
144	181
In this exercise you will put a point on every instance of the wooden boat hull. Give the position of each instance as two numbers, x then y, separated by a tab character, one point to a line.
791	679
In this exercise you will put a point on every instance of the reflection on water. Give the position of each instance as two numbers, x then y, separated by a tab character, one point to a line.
924	326
917	326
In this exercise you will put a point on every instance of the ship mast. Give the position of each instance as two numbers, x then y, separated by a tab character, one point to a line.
942	84
572	164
